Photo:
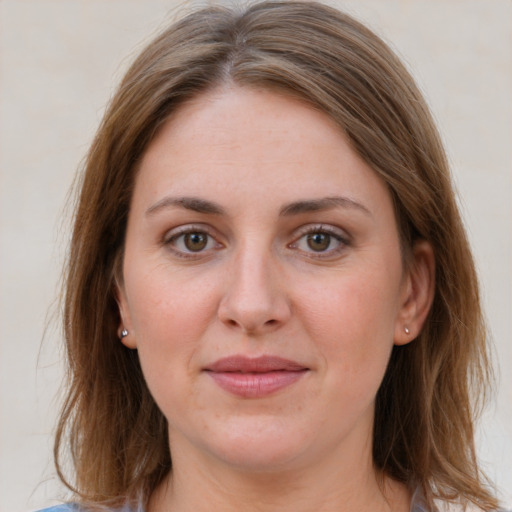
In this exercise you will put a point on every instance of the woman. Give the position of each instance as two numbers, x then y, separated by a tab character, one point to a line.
271	303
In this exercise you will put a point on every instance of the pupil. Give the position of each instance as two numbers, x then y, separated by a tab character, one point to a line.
319	241
195	241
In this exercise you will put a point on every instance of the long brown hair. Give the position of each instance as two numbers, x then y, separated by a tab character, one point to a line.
426	405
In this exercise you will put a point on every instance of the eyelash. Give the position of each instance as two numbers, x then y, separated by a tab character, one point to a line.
342	241
172	239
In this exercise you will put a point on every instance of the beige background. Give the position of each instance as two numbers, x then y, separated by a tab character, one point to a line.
59	62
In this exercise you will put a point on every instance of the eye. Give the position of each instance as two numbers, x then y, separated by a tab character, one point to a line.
320	241
188	241
195	242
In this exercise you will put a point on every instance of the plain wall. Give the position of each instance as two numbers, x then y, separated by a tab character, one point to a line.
59	63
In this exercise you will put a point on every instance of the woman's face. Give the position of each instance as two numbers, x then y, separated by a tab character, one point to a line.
262	282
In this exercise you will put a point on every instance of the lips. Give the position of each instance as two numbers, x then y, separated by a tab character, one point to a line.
255	377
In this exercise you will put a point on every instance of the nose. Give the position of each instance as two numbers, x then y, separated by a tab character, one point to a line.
255	299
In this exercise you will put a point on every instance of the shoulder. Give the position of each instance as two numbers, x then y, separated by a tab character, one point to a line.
453	507
64	507
418	505
74	507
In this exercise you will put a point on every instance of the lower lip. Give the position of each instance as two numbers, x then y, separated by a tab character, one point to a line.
256	385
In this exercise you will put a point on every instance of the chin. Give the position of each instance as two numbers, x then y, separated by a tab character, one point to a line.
257	458
256	446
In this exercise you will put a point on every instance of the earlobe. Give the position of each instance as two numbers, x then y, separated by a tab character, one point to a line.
125	330
417	294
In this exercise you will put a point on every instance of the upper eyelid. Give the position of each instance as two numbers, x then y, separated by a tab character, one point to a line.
172	235
297	232
188	228
326	228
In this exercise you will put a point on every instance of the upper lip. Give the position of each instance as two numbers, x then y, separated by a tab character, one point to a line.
261	364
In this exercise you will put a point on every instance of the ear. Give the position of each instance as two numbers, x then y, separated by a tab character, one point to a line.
125	319
417	293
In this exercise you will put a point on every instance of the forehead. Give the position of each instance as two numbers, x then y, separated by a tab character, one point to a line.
257	141
230	114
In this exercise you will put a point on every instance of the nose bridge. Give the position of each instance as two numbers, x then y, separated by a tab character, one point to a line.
254	298
252	273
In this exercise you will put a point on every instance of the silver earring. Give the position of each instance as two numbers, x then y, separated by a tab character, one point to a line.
406	329
124	333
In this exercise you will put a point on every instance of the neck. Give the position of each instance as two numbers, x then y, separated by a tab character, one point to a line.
202	486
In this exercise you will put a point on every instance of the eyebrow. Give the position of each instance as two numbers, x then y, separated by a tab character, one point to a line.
325	203
199	205
194	204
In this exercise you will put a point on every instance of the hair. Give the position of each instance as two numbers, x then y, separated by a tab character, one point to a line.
433	388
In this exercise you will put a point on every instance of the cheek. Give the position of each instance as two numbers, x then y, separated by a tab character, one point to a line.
166	330
168	305
352	321
169	315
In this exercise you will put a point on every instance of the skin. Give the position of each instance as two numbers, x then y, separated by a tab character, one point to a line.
254	284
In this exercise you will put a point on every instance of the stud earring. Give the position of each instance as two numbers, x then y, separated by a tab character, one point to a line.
407	331
124	333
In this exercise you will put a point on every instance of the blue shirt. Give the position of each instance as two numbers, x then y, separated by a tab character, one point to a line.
417	505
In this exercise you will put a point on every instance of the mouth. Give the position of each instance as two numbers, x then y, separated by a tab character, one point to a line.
255	377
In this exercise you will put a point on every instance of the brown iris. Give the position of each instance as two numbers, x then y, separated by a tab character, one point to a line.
318	241
196	241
